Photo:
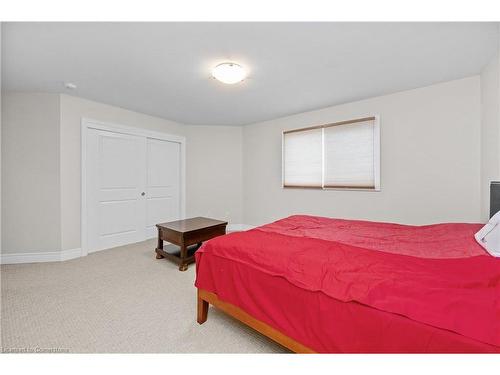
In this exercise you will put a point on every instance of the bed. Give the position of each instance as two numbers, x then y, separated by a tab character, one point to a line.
321	285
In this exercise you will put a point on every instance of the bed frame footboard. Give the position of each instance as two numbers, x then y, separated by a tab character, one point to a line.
205	298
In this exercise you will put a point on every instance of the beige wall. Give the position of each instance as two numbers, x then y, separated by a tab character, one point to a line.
213	163
431	157
43	150
214	172
72	111
430	160
31	220
490	131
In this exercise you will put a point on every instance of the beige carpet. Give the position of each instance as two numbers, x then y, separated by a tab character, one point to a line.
117	300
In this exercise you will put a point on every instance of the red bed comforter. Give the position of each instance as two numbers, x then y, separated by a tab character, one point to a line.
436	275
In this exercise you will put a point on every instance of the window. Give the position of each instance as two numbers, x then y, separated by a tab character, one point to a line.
303	158
340	155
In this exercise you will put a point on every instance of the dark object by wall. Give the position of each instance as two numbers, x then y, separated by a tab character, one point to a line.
494	197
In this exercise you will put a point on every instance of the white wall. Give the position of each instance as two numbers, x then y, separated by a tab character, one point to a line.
431	157
42	164
490	131
213	163
72	111
31	220
214	172
430	160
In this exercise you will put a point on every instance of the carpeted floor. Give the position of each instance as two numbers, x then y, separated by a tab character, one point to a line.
118	300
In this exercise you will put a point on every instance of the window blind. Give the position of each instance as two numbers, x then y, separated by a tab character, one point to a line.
349	155
339	155
303	159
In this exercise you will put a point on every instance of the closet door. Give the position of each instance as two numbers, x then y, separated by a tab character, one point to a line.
162	183
116	176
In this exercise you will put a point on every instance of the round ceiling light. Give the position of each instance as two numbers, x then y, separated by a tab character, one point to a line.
229	73
70	85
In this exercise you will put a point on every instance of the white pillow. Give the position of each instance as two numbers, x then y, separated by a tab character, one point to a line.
489	236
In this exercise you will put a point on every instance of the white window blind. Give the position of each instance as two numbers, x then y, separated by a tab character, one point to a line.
302	158
339	155
349	155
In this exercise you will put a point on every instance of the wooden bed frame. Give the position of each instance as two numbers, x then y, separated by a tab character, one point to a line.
205	298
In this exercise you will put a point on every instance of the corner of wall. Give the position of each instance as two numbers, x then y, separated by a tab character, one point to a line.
30	172
490	130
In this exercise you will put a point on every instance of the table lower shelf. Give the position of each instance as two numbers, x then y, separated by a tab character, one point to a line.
173	253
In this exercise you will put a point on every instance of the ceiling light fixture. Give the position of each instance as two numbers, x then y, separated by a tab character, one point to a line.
229	73
70	86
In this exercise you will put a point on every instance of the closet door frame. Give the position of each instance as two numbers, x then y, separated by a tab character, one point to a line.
86	124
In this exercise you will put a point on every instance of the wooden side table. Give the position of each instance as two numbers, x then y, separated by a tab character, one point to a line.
185	234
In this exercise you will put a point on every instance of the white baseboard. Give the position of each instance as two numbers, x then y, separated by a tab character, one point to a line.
238	227
59	256
47	256
71	254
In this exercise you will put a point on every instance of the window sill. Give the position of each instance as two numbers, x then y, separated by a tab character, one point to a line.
333	188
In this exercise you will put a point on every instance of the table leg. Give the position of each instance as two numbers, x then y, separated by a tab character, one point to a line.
160	245
183	266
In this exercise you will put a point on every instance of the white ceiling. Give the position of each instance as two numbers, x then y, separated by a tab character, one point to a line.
163	69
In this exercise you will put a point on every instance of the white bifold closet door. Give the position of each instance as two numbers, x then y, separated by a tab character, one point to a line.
132	183
162	184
